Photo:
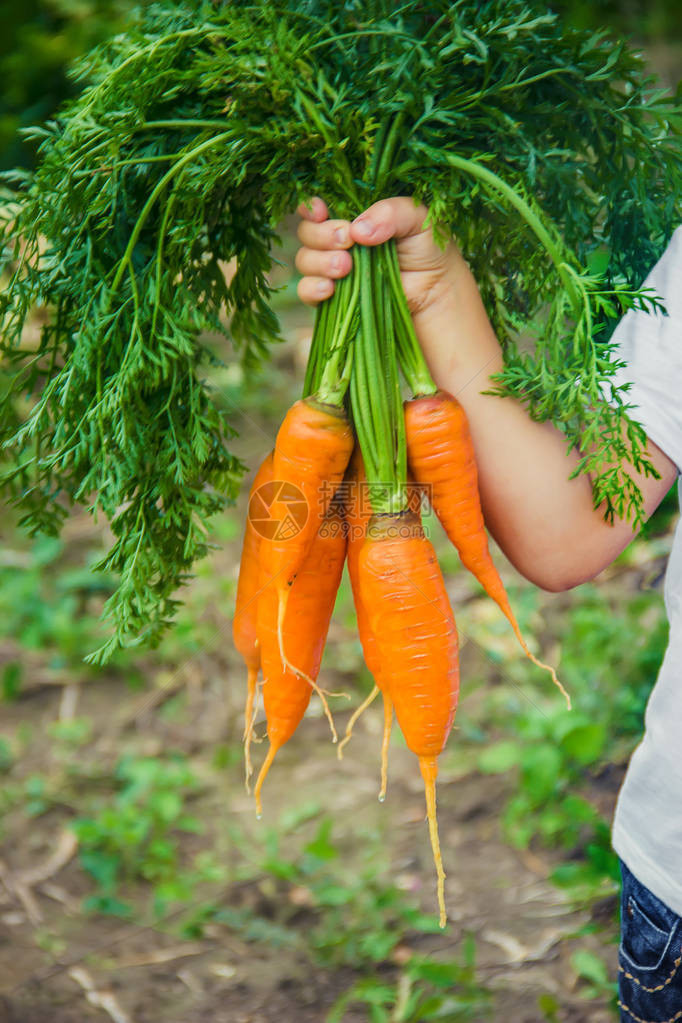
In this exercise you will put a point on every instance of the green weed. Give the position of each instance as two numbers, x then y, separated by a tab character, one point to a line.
425	990
594	975
51	608
356	920
134	835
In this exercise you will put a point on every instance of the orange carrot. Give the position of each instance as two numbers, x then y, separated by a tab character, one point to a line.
409	613
441	456
358	513
313	446
244	623
286	693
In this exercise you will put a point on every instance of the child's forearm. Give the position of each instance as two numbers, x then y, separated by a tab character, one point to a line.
544	522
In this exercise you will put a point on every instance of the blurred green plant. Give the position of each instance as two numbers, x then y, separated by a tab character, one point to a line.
39	40
360	918
662	519
594	973
134	835
345	918
353	917
38	796
6	755
51	608
644	19
426	990
71	733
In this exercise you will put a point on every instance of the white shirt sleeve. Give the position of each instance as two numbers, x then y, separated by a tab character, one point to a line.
651	346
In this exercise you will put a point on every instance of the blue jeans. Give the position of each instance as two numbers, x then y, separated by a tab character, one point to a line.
649	957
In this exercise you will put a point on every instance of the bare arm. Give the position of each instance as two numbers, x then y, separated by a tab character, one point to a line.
544	522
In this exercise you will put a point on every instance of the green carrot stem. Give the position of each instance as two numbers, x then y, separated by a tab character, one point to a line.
313	367
361	399
389	364
410	354
360	407
334	327
375	392
392	352
370	368
333	381
389	360
346	373
375	382
383	333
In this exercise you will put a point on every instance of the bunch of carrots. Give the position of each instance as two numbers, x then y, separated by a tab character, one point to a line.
352	456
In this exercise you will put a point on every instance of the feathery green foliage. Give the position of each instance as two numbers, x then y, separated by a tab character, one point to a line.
546	150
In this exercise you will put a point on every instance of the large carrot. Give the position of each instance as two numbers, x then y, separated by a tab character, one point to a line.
441	456
244	623
409	613
358	514
313	446
286	693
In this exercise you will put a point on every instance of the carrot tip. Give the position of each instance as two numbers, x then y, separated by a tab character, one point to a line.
267	763
429	770
388	722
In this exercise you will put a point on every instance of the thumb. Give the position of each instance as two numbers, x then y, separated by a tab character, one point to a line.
389	218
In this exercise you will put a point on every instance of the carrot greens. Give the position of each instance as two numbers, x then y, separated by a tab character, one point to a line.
548	151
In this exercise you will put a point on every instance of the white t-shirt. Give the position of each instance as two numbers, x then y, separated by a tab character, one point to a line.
647	830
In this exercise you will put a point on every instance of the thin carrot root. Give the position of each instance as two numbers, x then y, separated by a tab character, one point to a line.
320	692
429	770
388	724
262	774
251	681
281	611
250	712
540	664
354	717
327	692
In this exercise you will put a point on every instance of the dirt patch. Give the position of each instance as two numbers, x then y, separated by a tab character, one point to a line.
523	927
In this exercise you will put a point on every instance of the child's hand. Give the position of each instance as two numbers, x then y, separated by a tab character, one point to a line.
544	521
427	270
